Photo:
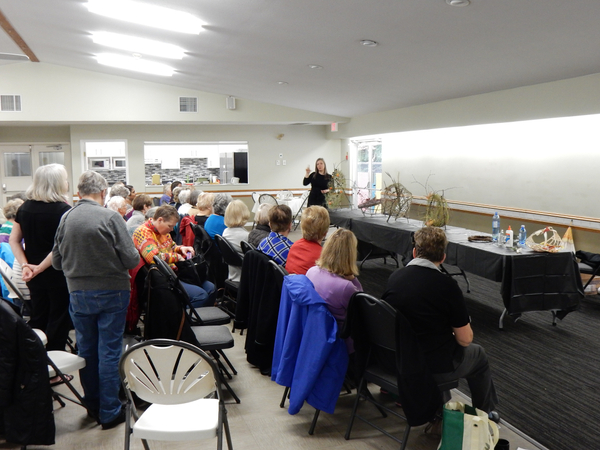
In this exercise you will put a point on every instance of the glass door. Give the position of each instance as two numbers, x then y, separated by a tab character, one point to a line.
368	170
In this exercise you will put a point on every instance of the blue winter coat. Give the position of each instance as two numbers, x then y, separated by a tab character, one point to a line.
309	357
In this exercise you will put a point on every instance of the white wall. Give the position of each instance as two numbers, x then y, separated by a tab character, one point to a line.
53	94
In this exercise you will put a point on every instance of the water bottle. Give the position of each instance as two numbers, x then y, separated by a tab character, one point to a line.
495	227
522	236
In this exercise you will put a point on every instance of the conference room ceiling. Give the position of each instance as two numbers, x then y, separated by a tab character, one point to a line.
427	50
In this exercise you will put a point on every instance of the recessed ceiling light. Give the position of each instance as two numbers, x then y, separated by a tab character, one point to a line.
369	43
138	45
282	83
315	66
458	2
135	64
149	15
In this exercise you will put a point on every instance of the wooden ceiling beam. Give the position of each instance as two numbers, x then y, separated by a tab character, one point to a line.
16	37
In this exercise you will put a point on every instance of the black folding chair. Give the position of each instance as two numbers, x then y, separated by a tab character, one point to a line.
373	324
246	246
211	338
232	258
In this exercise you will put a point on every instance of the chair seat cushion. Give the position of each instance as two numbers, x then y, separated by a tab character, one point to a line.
375	374
188	421
215	337
211	315
65	361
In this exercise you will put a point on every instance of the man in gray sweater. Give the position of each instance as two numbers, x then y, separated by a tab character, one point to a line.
94	250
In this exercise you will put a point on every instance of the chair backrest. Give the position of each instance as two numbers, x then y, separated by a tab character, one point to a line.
285	195
378	320
180	291
280	273
230	255
267	198
6	273
246	246
203	242
255	197
168	372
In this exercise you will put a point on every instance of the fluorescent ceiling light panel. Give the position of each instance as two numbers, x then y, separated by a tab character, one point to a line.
149	15
138	45
135	64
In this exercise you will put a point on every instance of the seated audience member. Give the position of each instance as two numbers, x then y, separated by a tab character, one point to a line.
193	201
204	206
236	216
262	228
152	238
150	213
175	202
434	305
334	276
129	200
215	224
276	244
184	199
10	212
166	197
118	204
305	252
174	185
141	204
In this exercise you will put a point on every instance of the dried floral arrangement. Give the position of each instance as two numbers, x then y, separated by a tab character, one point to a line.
337	189
395	200
437	213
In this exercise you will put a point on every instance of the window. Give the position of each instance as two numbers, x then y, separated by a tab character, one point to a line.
368	178
107	157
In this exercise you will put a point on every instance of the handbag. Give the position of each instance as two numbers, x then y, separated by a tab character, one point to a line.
467	428
193	270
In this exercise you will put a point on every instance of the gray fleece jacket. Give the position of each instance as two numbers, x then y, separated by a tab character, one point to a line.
93	248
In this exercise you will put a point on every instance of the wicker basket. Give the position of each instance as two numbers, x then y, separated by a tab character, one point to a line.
552	242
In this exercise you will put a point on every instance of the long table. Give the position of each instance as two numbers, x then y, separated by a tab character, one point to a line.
480	258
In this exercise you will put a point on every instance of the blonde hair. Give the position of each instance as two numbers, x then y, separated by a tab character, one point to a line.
339	253
49	184
236	214
314	223
11	208
205	201
262	215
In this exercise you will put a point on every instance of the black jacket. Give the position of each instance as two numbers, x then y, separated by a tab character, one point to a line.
25	396
257	307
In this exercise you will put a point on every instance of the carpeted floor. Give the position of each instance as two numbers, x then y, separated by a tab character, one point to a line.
547	378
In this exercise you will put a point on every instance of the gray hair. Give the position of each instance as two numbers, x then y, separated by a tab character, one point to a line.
194	197
11	208
220	203
184	196
119	190
91	182
262	215
50	184
150	212
116	203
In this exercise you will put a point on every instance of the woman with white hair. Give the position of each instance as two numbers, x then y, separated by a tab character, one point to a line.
36	222
184	199
118	204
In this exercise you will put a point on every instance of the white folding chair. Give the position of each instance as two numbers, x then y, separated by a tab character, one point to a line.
182	383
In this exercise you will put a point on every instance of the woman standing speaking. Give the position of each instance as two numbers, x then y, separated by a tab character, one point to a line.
319	181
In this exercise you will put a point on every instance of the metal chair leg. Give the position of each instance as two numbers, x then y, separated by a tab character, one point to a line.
311	431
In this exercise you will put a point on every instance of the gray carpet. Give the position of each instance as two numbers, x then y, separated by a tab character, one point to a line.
547	378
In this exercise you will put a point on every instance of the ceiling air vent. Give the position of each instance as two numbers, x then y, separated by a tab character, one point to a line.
188	104
10	103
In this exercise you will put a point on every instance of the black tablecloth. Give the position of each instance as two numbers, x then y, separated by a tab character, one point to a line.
480	258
